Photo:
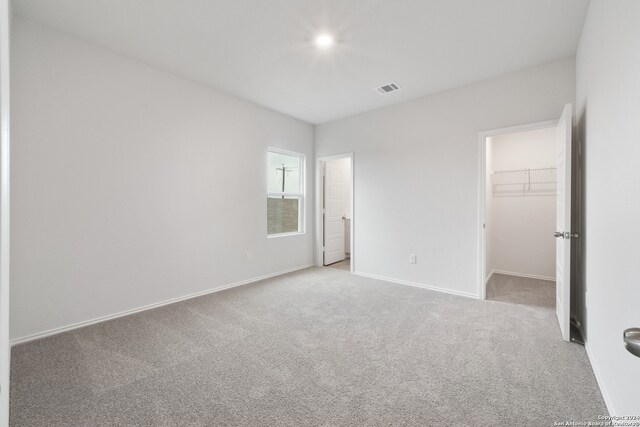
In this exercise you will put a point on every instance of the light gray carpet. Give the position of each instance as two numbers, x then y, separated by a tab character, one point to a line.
316	347
345	265
522	290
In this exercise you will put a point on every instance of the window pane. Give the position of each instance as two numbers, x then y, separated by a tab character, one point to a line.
283	172
282	215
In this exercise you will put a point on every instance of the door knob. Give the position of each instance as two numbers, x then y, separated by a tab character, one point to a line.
631	339
558	234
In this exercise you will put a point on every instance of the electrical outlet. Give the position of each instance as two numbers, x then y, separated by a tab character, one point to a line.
412	259
248	256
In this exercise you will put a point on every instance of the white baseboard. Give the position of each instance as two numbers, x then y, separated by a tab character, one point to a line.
62	329
530	276
486	280
603	390
417	285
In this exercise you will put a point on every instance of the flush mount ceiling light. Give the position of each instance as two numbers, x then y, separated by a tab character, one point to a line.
323	41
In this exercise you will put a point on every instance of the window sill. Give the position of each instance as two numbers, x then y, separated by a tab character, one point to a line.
295	233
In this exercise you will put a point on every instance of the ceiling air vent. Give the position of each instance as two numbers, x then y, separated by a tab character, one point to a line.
391	87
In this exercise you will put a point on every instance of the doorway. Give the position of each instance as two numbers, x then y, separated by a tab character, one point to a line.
335	213
520	217
527	242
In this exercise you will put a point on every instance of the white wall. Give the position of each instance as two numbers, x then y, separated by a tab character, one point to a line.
133	186
521	239
608	112
416	172
5	350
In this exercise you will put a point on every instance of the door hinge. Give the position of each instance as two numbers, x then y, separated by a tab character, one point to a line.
566	235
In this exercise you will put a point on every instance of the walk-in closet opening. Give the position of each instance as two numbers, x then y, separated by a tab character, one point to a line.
520	217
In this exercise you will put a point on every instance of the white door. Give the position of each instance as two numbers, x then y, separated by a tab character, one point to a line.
563	221
335	187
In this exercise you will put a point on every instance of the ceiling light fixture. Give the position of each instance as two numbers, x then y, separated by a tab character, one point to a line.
324	41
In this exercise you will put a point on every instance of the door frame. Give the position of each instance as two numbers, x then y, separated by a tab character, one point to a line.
482	190
319	196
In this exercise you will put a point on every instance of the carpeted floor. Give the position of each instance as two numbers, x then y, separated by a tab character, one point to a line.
342	265
316	347
522	290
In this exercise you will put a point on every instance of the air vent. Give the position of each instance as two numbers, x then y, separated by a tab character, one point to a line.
391	87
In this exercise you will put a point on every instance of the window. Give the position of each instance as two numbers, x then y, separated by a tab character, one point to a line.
285	192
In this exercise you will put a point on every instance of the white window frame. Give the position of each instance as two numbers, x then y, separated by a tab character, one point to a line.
300	196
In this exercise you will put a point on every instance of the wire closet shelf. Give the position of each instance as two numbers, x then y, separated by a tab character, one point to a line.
521	182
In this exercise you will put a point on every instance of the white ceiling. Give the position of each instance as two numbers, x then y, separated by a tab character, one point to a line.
262	50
